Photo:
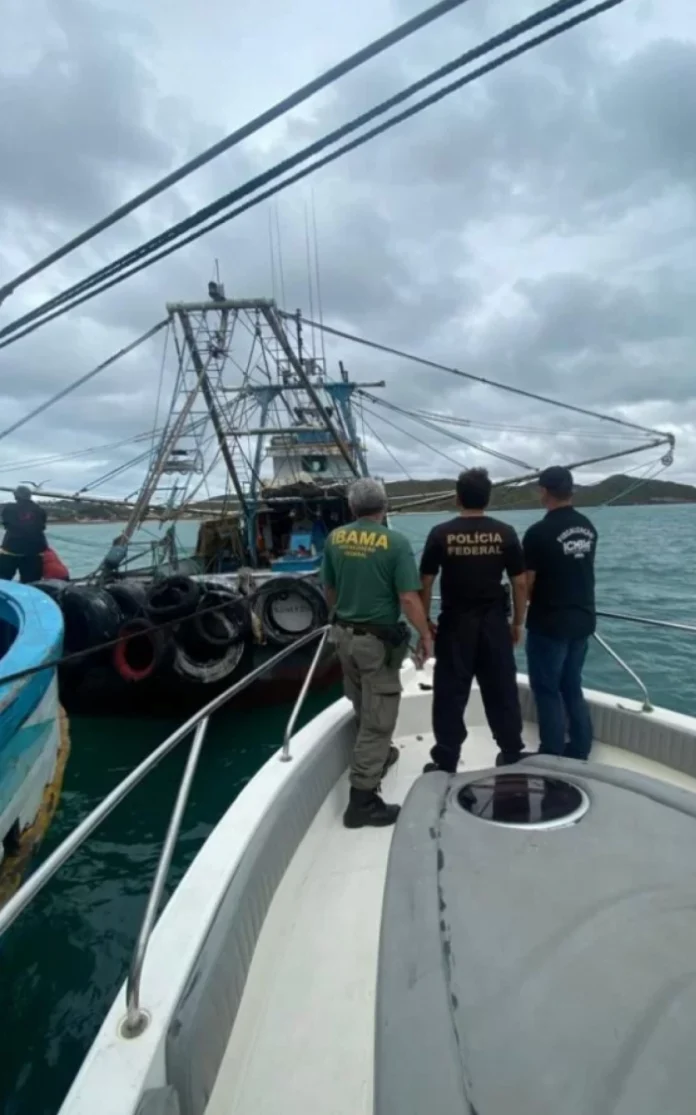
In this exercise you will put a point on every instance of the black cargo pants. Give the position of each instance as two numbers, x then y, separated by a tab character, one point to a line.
467	646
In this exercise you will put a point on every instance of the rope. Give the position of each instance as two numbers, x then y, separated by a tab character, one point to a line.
329	76
117	271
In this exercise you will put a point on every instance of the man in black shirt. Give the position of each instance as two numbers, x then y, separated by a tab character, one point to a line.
474	638
559	553
24	542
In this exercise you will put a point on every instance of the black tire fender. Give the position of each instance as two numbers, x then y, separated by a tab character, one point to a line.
130	597
172	598
278	588
208	672
91	616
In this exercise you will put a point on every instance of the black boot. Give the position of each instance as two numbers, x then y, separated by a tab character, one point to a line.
367	808
506	759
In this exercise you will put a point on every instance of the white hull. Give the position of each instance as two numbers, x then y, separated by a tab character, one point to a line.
260	977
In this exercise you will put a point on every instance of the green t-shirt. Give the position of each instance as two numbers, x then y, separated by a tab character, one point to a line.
369	565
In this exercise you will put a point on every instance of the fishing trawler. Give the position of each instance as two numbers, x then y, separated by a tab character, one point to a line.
253	407
284	438
34	739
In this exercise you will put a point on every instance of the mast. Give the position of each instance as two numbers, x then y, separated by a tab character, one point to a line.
269	312
207	392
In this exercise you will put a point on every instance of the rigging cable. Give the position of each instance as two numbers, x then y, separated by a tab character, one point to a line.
384	445
454	437
503	427
115	472
39	462
434	496
412	437
471	376
83	379
377	46
120	269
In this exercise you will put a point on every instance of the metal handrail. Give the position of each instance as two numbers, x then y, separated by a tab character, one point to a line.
36	882
647	705
671	625
285	755
136	1018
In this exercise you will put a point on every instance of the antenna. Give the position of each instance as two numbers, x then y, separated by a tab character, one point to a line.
309	280
316	269
272	254
279	245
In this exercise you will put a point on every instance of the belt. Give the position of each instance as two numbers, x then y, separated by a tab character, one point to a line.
361	628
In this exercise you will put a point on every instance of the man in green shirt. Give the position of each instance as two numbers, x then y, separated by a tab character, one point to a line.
370	577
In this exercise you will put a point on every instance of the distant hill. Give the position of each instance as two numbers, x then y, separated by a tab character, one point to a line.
616	489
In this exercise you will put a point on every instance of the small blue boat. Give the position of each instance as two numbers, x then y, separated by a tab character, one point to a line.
34	741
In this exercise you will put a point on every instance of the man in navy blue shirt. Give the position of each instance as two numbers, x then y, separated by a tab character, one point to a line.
559	554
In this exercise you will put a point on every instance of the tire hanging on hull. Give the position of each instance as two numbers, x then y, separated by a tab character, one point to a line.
288	608
130	596
142	651
210	644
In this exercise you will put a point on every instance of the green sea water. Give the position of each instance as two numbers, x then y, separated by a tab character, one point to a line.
63	961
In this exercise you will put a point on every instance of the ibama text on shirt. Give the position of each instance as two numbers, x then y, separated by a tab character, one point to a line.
359	543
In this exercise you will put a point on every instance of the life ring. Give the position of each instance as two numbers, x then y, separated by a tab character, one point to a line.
171	598
140	652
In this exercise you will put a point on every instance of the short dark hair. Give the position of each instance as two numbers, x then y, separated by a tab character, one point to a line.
474	489
558	481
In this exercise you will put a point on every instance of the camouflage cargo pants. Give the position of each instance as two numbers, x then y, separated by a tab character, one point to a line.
374	688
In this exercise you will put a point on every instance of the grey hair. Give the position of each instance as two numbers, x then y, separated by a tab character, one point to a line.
367	497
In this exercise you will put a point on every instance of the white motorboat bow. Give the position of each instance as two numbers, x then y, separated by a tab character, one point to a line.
522	940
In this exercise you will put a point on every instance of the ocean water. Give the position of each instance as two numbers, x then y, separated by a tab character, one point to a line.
63	961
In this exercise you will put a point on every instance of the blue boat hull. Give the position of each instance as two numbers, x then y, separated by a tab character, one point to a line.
33	748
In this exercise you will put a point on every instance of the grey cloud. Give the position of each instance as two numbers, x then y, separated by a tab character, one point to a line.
579	142
74	129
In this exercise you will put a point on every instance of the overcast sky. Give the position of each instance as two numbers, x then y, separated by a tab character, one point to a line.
536	228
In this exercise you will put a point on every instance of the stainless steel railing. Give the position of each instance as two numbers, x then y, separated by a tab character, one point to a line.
136	1018
285	755
668	625
647	705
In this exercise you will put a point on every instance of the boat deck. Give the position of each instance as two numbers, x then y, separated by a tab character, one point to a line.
304	1036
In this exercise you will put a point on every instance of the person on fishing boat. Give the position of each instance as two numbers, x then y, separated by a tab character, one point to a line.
370	577
115	557
25	539
52	568
474	638
560	554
